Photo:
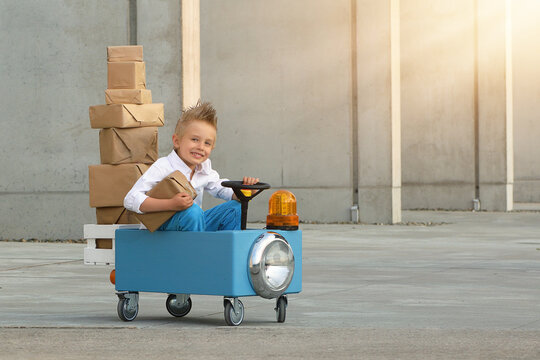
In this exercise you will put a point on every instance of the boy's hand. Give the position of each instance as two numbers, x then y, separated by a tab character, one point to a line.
250	180
181	201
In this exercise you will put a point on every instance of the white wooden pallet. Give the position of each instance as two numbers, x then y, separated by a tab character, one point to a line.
94	256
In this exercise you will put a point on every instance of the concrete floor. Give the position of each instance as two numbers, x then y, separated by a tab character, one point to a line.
442	285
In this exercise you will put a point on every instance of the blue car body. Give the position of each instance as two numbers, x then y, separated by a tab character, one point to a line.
203	263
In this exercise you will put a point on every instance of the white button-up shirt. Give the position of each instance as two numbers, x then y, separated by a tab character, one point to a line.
204	178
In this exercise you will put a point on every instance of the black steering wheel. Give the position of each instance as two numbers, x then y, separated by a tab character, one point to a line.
237	187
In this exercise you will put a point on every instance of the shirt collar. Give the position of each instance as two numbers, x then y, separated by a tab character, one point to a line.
178	163
205	167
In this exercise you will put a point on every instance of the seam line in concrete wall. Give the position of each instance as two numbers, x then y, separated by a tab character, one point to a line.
132	22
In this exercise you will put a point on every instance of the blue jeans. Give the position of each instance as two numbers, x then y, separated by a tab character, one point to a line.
226	216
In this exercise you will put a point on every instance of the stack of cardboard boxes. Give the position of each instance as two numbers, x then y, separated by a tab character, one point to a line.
128	139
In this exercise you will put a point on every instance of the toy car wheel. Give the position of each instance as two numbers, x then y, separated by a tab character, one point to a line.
281	309
176	309
127	312
233	318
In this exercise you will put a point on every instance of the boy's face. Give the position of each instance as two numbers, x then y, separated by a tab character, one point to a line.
196	143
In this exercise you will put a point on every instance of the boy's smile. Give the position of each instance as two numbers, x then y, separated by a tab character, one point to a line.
195	144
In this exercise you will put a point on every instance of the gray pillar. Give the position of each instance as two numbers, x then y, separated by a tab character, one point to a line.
495	120
378	109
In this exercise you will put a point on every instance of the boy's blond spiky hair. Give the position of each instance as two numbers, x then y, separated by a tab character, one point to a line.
202	111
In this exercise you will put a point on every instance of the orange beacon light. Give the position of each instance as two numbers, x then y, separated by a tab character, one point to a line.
282	211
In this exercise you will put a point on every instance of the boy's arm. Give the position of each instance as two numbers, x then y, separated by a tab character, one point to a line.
179	202
215	188
137	195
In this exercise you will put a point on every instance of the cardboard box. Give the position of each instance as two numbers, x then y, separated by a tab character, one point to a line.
125	53
109	184
126	115
171	185
124	146
115	215
103	243
128	96
126	75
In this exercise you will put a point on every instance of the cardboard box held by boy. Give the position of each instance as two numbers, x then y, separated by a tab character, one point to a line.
171	185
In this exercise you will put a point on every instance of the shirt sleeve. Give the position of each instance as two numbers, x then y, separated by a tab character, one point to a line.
136	196
215	188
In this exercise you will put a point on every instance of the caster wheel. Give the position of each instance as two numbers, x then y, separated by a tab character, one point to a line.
281	309
176	309
231	317
126	310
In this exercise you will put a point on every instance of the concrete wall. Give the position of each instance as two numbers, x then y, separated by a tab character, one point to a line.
437	93
159	32
378	104
495	104
53	61
53	67
438	100
280	75
526	32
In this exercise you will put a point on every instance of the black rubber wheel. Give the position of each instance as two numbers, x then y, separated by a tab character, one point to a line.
176	309
281	309
124	313
231	318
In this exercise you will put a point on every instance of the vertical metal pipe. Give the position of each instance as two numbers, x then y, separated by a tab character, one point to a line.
476	114
354	104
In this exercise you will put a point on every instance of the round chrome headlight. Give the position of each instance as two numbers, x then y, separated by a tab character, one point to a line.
271	265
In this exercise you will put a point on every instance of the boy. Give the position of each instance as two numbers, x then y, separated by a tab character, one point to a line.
193	141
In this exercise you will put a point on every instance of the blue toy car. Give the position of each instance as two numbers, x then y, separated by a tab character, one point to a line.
232	264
